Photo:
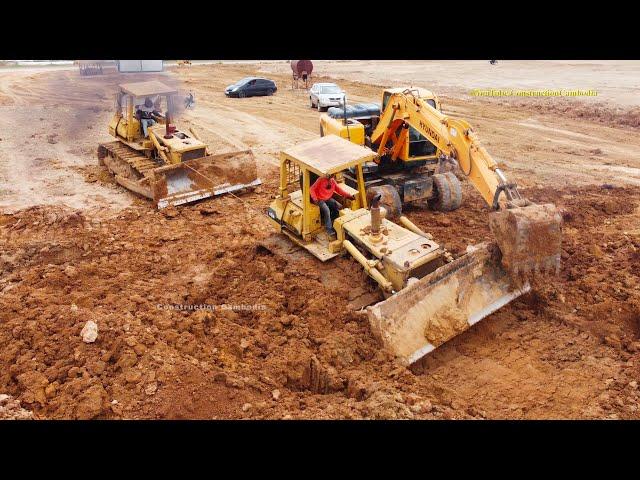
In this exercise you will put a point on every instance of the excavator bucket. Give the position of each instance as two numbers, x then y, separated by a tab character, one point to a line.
529	238
204	177
443	304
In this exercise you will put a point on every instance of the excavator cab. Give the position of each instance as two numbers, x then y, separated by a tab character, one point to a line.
416	147
406	168
357	122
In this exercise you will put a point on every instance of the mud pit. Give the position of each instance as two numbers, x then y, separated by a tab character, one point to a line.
276	339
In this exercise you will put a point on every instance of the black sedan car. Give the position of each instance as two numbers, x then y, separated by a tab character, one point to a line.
251	87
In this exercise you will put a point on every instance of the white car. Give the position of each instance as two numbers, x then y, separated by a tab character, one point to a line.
323	95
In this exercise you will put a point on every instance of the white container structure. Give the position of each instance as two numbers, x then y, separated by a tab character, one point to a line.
128	66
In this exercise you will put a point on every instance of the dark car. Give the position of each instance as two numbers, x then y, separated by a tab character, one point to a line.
251	87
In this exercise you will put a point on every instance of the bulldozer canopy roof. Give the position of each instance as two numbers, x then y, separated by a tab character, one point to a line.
329	154
146	89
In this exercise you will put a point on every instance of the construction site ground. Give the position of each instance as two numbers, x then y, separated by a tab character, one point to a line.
279	338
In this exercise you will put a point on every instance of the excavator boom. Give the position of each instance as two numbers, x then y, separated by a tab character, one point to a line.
528	235
453	137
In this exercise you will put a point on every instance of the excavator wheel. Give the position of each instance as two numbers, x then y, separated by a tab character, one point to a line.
456	190
444	197
390	199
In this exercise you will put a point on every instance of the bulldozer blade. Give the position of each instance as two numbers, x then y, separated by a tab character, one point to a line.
529	238
430	311
205	177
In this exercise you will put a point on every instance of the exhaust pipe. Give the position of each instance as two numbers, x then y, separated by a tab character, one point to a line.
169	129
376	216
167	134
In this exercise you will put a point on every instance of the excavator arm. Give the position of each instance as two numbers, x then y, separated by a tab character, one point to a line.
528	235
453	137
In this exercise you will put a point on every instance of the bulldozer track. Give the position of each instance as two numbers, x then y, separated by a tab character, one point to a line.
141	164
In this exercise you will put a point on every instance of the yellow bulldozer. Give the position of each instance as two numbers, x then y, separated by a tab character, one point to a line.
430	297
152	158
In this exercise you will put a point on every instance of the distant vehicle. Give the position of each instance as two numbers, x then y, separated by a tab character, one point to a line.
324	95
251	87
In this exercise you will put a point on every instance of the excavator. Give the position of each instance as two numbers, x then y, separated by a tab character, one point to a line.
430	297
152	158
408	169
417	148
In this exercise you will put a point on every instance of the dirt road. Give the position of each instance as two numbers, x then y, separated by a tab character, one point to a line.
76	247
616	82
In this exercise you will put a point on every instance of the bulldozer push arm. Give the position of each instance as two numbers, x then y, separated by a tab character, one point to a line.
528	235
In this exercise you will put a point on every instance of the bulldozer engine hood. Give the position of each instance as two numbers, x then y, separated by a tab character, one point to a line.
179	141
402	249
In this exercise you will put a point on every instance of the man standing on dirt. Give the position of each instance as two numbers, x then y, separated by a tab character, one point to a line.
321	193
189	100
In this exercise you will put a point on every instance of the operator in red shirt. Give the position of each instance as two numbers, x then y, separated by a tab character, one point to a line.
322	192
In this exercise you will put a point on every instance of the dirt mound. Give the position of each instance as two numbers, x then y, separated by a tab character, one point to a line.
195	320
612	116
10	409
238	167
228	307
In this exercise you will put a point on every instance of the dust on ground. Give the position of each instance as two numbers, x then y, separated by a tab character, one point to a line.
275	338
